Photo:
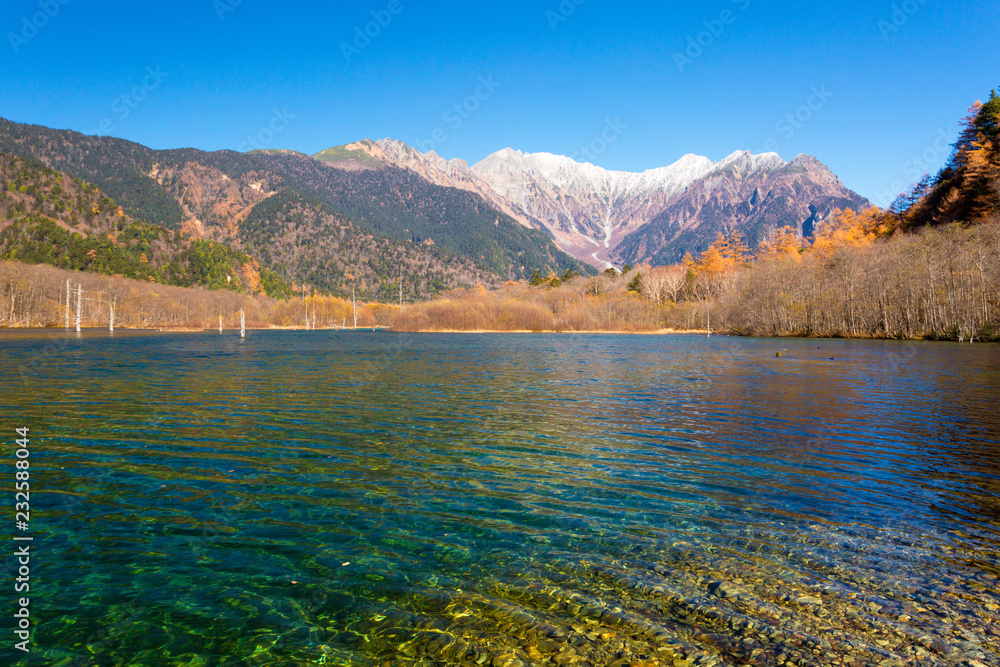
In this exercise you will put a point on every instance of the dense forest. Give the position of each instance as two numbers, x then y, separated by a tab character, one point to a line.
47	217
307	240
966	190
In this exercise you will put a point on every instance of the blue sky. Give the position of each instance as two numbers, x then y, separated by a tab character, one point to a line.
866	87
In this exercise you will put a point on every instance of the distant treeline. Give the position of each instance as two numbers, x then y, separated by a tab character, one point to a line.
940	283
570	303
927	267
35	296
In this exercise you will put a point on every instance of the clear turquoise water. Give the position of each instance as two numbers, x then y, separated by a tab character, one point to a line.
378	499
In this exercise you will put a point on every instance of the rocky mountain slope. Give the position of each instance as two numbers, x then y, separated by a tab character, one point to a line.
738	196
603	217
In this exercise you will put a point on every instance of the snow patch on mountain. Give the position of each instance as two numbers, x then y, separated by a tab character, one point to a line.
584	206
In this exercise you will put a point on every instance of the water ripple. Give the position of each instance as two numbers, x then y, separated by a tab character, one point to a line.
374	499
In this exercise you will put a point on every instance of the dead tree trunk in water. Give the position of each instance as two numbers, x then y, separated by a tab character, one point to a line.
79	304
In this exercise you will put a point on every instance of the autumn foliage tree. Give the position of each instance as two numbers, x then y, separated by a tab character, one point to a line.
719	263
968	188
847	229
251	276
785	243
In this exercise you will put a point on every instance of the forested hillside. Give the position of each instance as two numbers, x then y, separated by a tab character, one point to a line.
48	217
209	195
400	204
968	188
306	240
118	168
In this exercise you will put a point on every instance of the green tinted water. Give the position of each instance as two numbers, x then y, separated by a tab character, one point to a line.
375	499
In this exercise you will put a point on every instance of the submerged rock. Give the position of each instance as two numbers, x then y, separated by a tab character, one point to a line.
727	589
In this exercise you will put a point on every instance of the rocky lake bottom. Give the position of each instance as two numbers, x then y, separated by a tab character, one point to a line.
379	499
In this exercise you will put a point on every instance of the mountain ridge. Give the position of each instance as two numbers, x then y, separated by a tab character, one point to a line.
590	212
211	195
513	212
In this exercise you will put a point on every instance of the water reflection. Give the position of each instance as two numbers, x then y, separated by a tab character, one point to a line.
378	499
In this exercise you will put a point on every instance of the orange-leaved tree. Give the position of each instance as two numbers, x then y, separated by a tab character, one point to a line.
968	188
251	277
783	244
719	262
847	229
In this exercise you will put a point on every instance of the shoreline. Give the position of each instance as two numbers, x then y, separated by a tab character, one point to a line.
591	332
90	332
601	332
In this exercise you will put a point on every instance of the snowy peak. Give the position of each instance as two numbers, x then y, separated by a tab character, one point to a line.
747	161
585	206
564	172
590	210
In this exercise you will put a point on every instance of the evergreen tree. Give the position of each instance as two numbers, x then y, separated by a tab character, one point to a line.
636	284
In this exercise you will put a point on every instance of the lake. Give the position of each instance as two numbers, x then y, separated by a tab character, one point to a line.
379	499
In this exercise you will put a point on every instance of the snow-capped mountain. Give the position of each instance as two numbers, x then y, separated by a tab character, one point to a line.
598	216
589	210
